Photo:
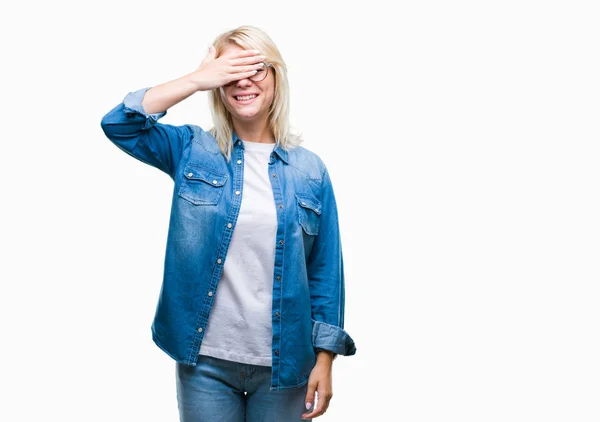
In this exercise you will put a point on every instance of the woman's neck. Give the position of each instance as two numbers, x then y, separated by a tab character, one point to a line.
254	132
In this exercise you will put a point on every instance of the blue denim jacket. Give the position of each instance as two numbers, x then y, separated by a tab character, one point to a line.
308	278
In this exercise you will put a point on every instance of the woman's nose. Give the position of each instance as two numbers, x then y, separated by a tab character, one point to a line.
243	83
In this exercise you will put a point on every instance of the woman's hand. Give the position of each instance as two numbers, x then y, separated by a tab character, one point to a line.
215	72
319	380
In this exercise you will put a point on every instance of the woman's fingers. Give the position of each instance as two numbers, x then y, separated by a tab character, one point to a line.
241	54
243	72
215	71
210	55
246	69
212	52
244	75
247	60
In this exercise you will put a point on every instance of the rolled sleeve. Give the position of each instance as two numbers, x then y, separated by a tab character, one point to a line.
140	134
333	338
132	103
325	270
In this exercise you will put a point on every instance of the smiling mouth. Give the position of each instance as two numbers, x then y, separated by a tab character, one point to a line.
245	98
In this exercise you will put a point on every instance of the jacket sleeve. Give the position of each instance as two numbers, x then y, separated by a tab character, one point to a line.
137	133
325	267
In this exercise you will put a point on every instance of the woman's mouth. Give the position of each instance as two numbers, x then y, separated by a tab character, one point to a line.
245	99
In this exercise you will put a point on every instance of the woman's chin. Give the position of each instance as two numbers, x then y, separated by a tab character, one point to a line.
246	114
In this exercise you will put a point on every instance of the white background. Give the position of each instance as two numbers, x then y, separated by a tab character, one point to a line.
462	139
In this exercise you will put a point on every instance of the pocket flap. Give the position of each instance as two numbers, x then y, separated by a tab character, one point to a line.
309	202
195	172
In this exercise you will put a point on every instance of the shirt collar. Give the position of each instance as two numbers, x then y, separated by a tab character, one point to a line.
283	154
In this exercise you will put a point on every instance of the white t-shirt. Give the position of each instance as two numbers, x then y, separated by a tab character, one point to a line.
239	325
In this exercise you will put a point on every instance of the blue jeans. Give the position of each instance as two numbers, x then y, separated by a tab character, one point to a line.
218	390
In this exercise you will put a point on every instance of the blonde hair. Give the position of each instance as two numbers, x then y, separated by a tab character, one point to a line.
250	38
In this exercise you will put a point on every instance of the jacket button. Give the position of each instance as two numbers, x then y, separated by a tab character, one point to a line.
239	161
278	278
229	225
237	192
200	329
280	205
281	242
277	352
277	314
219	261
210	293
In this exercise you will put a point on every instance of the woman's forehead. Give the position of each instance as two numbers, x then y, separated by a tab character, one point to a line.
231	48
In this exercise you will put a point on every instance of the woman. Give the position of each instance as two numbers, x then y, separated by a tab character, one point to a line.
253	213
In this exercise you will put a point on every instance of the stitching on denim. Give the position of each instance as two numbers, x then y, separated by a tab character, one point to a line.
293	386
282	281
202	144
308	175
201	165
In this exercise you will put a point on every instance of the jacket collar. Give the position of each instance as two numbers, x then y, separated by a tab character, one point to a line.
283	154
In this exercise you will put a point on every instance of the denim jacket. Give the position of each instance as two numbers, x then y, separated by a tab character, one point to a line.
308	277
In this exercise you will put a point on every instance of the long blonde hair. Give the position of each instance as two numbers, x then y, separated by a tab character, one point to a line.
250	38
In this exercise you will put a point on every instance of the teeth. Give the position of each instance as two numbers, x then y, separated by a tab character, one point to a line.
245	97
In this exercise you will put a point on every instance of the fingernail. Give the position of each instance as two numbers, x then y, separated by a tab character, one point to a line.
308	405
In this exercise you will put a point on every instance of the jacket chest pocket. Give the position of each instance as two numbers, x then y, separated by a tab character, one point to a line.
202	186
309	213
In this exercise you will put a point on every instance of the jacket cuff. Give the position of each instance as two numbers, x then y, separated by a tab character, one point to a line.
330	337
132	103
